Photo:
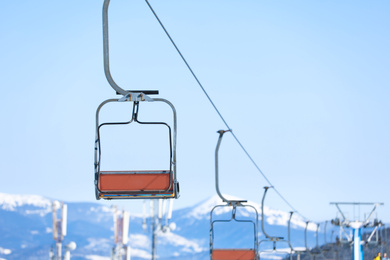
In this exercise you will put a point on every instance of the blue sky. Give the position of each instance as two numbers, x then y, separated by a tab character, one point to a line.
303	84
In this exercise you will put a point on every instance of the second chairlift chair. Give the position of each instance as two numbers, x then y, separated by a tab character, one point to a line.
229	253
132	184
268	238
297	251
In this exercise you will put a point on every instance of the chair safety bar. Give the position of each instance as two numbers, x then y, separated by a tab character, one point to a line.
136	184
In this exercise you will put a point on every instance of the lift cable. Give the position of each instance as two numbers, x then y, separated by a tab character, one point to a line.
216	109
188	66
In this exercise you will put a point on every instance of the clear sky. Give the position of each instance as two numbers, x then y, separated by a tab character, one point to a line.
303	84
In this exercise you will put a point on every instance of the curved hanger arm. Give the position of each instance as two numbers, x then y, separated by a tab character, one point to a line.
318	227
262	212
221	132
106	52
306	248
289	236
325	240
262	217
289	231
307	224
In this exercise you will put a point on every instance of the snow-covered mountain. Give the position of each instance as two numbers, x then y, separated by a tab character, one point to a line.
26	230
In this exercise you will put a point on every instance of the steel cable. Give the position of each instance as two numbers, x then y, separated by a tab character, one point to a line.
220	115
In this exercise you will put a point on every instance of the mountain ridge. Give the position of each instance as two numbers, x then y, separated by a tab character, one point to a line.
26	225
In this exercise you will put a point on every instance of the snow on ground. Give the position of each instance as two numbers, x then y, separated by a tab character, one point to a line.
203	209
97	257
179	241
5	251
100	212
99	244
273	216
139	241
276	255
140	253
10	202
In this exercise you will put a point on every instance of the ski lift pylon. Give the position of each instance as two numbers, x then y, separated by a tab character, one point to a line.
231	253
151	184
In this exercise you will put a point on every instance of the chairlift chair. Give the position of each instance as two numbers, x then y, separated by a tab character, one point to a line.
293	250
326	247
315	252
269	238
132	184
231	253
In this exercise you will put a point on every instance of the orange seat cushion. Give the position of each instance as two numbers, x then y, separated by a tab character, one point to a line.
134	181
233	254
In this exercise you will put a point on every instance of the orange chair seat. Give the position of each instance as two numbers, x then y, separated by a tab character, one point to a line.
135	181
233	254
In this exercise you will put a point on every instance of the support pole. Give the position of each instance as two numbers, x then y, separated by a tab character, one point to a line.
357	247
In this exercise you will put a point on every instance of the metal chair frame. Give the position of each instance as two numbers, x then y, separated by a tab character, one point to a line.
170	192
234	205
231	203
273	239
135	96
298	252
317	251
